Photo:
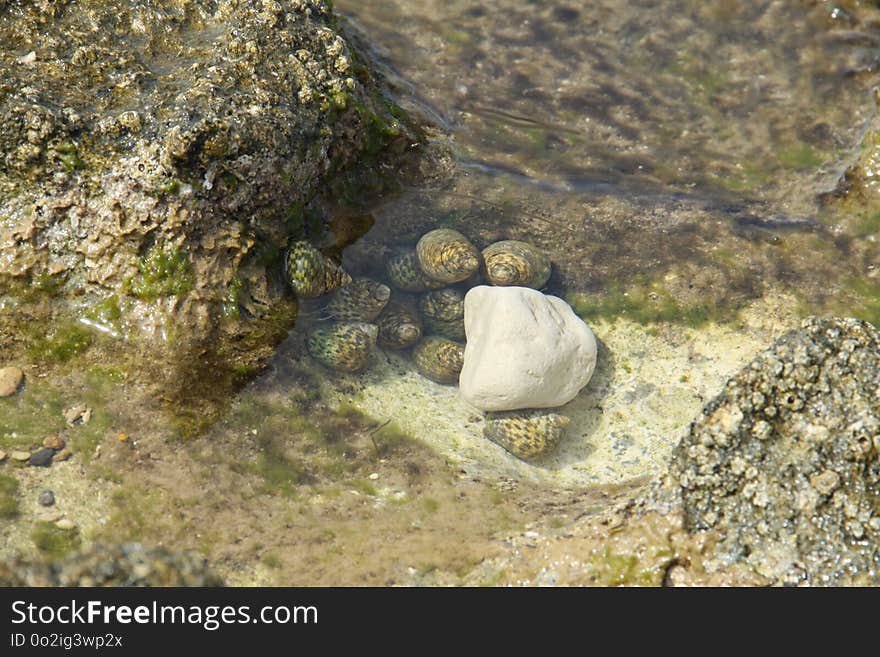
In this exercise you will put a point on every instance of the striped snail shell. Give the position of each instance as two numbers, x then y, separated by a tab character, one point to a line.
512	262
447	255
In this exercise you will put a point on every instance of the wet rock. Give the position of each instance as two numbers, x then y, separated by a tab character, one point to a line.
11	379
78	414
55	441
524	349
129	564
126	167
46	498
41	458
785	463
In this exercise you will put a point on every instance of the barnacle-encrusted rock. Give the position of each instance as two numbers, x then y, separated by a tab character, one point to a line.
310	273
447	255
166	169
526	435
361	300
344	346
785	462
439	359
399	325
512	262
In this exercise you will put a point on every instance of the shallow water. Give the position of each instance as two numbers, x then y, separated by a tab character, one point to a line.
666	155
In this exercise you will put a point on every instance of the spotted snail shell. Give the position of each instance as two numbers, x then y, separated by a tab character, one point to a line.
526	435
400	326
344	346
310	273
443	312
512	262
447	255
439	359
405	274
360	301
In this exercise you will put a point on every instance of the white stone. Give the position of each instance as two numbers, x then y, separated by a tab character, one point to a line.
524	349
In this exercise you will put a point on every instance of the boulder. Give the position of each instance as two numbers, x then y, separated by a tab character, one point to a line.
784	464
524	349
149	184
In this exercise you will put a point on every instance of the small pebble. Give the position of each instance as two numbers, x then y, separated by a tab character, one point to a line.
42	458
46	498
54	441
65	523
63	455
20	456
10	380
50	516
2	455
374	476
78	414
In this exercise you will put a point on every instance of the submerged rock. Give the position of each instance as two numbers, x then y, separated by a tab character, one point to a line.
163	173
524	349
785	463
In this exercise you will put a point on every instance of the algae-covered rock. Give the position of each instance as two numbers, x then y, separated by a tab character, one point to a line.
784	464
129	564
158	155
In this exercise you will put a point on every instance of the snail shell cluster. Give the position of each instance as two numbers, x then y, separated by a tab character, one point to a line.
363	312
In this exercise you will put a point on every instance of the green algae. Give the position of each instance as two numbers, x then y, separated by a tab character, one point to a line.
62	343
800	156
106	310
163	272
30	416
68	156
618	569
645	303
54	541
8	497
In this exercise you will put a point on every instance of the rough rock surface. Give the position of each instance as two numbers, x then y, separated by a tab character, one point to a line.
784	464
129	564
524	349
10	380
155	156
